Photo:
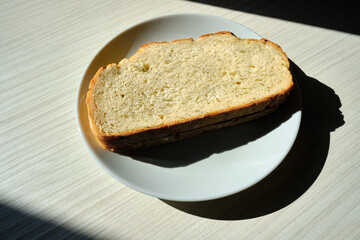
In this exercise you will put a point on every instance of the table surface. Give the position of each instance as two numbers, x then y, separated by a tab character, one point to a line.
51	187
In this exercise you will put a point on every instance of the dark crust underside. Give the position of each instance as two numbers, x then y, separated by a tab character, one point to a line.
182	131
121	148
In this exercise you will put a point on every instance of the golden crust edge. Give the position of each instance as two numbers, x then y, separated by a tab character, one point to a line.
102	137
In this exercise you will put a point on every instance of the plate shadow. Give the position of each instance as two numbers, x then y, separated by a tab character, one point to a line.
321	115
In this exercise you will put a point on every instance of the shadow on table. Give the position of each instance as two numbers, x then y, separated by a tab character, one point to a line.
15	224
337	15
298	171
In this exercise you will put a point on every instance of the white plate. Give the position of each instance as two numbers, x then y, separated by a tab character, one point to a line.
210	166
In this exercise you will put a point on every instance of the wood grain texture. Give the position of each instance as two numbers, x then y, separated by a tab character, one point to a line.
52	188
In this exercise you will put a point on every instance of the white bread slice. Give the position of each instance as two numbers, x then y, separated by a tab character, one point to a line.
168	91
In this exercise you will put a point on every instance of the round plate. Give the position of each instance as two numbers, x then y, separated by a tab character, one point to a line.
212	165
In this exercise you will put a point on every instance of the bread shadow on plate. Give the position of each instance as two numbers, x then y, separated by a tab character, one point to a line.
321	115
191	150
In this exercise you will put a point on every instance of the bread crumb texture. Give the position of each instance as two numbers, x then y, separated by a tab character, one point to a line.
164	83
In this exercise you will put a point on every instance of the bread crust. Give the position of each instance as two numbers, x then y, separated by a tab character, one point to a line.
178	130
122	147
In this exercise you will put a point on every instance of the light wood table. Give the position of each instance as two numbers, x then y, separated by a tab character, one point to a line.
50	187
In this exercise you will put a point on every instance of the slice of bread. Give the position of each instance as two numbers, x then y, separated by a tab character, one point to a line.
168	91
